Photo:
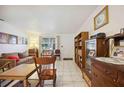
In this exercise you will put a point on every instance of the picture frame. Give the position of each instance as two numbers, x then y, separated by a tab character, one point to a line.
4	38
101	18
92	53
118	52
13	39
19	40
23	40
26	41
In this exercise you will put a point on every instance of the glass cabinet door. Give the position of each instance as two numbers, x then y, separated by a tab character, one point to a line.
90	52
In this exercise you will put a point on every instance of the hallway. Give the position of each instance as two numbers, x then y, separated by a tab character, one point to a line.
69	75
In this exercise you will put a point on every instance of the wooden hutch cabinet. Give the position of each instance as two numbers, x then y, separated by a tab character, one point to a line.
108	71
80	53
94	48
33	52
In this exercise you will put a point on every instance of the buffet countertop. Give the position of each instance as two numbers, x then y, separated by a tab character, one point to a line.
117	63
111	60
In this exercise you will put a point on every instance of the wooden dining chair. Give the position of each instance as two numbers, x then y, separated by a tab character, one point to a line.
46	69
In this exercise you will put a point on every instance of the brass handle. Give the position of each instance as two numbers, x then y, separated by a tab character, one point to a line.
114	80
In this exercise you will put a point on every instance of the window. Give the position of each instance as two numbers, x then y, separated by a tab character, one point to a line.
48	44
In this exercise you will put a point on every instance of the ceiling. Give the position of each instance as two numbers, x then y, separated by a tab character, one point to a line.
47	19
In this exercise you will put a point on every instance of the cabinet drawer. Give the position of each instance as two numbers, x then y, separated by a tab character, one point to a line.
97	79
110	74
107	71
101	80
120	79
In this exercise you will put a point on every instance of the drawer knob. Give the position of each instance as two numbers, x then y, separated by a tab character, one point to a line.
114	80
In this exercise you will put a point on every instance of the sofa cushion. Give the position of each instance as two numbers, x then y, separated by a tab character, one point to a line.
26	59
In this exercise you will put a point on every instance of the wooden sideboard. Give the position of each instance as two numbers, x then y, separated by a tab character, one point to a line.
33	52
105	74
94	48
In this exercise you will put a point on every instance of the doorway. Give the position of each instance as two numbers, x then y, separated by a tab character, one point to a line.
47	45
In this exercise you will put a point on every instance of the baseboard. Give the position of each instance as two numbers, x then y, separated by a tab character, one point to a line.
67	58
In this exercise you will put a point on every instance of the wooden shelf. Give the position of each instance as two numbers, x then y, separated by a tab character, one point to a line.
116	36
80	39
80	48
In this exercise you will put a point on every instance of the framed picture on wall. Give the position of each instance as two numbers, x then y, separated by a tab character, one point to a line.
12	39
101	18
26	41
4	38
19	40
23	40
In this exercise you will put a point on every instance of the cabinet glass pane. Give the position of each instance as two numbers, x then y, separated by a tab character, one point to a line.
90	51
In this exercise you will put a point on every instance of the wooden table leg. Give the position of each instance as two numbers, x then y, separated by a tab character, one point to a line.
25	83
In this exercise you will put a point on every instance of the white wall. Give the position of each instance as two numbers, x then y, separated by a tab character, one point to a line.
67	45
116	21
10	29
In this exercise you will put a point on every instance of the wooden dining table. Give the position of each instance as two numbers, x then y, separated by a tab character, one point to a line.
21	72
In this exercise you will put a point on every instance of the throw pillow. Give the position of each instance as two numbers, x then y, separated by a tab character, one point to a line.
13	57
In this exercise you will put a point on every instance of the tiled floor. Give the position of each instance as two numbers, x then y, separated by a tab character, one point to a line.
68	75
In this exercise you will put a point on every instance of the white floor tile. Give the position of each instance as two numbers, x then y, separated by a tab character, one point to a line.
68	84
80	84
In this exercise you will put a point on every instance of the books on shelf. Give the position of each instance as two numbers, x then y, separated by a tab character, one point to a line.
80	52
